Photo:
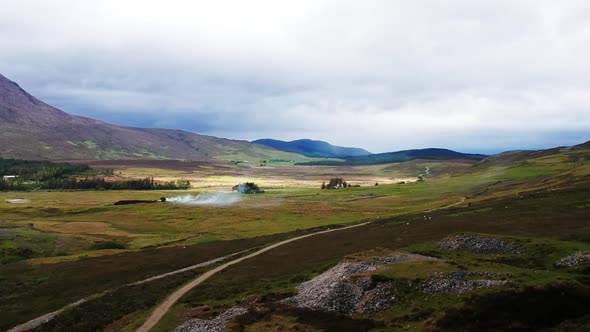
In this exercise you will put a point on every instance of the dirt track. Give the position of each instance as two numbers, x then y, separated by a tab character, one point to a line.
36	322
159	312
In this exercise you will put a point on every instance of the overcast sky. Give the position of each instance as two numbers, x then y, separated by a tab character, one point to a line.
475	76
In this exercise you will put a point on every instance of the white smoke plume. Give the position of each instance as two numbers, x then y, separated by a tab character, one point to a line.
214	199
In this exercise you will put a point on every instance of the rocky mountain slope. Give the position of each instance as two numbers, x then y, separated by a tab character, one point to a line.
32	129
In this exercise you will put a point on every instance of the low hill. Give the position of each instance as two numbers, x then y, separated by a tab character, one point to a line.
400	156
32	129
312	148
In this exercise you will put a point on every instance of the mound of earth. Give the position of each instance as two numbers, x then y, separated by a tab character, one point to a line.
343	288
577	259
480	244
211	325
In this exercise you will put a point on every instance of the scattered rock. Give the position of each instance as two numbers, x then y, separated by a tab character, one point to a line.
459	282
400	257
212	325
577	259
480	244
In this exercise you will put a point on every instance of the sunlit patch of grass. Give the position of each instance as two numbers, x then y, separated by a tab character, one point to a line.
92	214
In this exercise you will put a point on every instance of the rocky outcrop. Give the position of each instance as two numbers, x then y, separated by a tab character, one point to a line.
481	244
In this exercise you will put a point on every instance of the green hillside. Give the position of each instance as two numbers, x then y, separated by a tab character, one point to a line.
312	148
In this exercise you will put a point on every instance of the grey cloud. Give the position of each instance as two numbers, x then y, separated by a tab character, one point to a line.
383	75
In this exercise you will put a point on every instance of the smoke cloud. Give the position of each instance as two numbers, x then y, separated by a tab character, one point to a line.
212	199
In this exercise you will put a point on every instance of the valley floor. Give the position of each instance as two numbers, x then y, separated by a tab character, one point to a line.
60	247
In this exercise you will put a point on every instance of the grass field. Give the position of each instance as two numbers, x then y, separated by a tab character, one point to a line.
70	223
49	243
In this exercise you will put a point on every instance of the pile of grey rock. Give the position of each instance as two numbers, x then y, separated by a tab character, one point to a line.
400	257
336	290
577	259
460	282
211	325
348	288
481	244
344	289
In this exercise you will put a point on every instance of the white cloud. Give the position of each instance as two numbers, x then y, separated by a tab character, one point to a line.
382	75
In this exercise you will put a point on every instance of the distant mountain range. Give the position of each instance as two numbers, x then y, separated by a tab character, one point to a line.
312	148
357	156
32	129
399	156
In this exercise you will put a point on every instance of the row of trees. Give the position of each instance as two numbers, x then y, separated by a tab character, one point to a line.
335	183
7	185
41	170
94	183
39	174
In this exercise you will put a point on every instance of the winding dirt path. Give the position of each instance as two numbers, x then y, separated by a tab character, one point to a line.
169	302
159	312
36	322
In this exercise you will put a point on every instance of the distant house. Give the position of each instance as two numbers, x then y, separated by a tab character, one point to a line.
247	188
6	177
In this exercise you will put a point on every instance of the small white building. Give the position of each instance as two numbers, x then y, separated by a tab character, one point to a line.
6	177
